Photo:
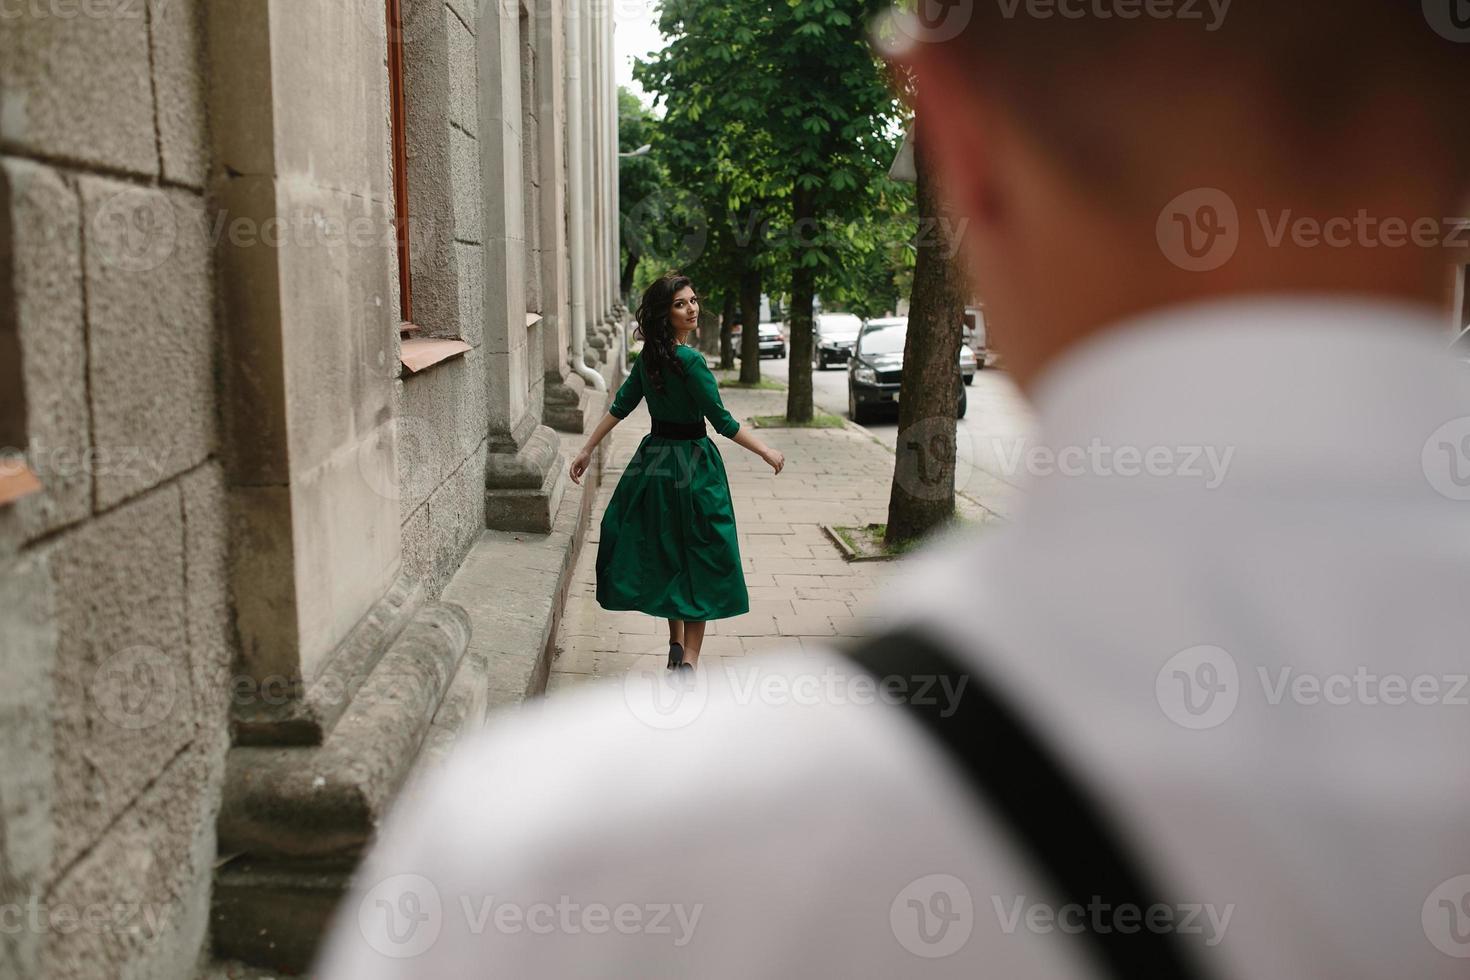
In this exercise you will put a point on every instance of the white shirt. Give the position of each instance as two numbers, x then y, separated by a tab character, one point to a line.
1217	648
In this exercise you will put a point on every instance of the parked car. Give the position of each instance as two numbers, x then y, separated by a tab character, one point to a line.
772	341
875	372
833	336
970	362
976	337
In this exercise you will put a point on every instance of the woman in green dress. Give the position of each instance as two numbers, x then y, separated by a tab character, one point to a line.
668	545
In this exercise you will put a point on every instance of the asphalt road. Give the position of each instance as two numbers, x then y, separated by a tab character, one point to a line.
997	427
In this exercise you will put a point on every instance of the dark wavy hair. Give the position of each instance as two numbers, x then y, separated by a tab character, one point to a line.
654	326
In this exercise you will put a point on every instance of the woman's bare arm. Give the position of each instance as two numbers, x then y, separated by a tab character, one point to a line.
584	458
747	439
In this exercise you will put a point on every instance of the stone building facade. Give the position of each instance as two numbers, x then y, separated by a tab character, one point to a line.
296	300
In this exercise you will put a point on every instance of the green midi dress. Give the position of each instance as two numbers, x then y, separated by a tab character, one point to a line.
668	545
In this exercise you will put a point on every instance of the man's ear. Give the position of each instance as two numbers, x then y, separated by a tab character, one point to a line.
960	133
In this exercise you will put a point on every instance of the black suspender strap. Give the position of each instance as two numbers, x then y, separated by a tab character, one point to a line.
1057	825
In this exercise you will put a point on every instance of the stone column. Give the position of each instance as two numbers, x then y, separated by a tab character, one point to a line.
349	660
565	392
597	333
309	327
524	473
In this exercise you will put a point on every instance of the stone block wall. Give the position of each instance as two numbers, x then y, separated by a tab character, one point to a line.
113	581
442	410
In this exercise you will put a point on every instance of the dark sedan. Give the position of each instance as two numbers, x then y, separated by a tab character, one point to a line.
875	372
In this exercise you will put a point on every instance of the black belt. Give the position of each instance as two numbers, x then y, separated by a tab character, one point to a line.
679	430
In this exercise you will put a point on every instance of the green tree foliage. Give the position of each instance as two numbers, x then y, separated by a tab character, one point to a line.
780	124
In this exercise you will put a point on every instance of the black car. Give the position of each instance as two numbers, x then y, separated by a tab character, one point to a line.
875	372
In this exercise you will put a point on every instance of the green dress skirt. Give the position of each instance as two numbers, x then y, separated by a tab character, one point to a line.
668	545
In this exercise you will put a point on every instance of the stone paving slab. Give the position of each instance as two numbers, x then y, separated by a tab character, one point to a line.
803	594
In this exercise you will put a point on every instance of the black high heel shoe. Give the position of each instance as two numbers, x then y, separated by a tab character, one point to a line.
676	655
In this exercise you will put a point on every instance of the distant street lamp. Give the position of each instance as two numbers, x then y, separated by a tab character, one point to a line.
642	151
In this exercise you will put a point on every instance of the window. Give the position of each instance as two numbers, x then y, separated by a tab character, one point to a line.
16	478
415	353
398	124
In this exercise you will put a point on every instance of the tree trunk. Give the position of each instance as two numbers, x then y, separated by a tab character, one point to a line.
923	491
626	285
727	310
727	346
750	315
803	293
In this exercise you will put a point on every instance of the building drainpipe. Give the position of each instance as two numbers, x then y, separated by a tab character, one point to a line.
576	198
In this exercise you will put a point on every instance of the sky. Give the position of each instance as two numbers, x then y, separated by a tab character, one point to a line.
635	33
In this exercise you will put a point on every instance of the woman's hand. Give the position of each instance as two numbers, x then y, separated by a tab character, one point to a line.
579	466
776	460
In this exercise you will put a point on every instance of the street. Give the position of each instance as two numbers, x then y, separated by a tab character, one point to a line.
996	426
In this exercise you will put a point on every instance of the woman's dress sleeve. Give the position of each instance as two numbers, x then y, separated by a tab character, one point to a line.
629	395
707	394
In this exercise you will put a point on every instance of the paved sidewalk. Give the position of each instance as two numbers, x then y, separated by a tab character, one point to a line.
801	590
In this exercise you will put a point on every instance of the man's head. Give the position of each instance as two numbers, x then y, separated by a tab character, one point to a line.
1114	156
